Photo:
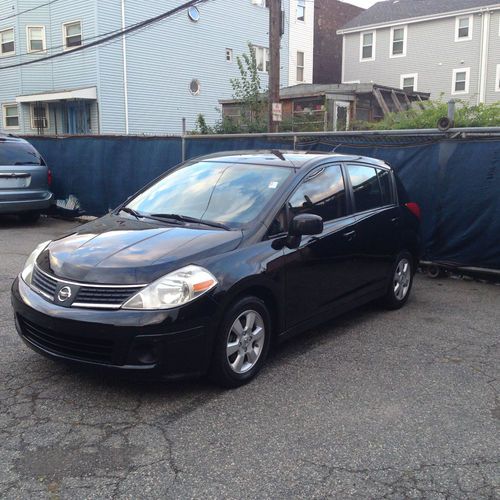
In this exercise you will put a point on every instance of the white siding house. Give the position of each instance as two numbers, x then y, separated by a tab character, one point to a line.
449	48
143	84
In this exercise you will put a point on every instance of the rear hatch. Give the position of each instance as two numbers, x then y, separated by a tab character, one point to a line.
22	171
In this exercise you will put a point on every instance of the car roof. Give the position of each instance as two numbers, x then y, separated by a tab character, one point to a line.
290	159
11	138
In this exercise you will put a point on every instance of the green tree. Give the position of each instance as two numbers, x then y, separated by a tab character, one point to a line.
247	89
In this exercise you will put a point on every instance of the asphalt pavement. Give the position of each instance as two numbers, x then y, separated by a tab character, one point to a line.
375	404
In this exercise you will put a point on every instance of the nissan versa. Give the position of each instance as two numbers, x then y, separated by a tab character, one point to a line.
200	271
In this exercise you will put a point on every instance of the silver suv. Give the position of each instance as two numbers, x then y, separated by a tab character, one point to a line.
24	179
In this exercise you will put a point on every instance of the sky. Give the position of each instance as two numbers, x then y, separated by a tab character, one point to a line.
362	3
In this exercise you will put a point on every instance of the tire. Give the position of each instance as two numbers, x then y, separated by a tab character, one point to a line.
29	217
239	356
435	272
401	283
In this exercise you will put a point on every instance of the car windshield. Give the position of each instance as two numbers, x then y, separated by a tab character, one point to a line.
18	153
224	193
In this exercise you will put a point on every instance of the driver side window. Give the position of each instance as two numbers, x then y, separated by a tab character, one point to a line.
321	193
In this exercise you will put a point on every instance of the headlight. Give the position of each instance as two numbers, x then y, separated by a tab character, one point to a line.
174	289
27	271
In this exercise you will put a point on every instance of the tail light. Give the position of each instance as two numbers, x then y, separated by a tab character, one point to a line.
414	209
49	177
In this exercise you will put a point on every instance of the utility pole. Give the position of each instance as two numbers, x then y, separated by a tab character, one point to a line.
274	59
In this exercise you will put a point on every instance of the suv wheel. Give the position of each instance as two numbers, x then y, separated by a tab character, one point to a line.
242	343
29	217
401	282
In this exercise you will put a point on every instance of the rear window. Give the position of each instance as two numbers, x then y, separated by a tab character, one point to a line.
18	153
366	187
372	187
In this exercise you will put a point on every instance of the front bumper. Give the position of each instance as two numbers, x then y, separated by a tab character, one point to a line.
174	343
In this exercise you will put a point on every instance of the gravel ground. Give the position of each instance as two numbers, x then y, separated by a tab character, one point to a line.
373	405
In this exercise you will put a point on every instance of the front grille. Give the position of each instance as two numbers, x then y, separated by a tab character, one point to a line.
87	295
72	346
111	296
44	283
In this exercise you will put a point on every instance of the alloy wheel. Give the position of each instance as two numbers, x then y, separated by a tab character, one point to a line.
402	279
245	341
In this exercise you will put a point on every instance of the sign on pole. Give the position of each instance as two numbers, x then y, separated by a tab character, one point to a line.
277	112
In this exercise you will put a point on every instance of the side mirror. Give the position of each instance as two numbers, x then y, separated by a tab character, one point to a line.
305	225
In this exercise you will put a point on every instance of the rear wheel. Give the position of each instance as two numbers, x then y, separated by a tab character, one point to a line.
242	343
401	283
29	217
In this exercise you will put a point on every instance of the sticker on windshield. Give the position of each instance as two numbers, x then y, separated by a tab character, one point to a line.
273	185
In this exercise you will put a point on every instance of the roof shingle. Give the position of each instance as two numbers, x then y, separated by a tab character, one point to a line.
395	10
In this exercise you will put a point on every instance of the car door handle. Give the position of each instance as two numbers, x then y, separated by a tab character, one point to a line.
395	220
349	235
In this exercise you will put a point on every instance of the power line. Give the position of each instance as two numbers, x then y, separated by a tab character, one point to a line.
113	36
29	10
61	46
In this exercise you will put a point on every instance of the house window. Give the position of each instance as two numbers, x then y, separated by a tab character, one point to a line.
39	115
72	35
36	38
10	116
301	10
229	55
409	83
7	46
398	41
463	28
300	66
367	46
461	78
497	81
261	57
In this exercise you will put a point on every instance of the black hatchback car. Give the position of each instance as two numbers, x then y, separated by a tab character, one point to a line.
209	264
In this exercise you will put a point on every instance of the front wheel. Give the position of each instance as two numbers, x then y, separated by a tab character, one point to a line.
242	343
401	282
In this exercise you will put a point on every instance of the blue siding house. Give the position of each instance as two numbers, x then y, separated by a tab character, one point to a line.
144	83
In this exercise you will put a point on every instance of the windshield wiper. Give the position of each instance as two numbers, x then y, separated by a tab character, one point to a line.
131	211
194	220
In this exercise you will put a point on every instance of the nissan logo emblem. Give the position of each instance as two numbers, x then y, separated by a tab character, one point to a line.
64	293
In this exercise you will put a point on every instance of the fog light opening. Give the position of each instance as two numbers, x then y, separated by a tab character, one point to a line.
146	354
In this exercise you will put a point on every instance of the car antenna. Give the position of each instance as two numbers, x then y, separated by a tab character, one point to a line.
278	153
336	147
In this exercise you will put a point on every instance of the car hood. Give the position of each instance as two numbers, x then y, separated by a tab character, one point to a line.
116	250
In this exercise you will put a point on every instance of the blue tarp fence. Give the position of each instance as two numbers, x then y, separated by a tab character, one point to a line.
456	182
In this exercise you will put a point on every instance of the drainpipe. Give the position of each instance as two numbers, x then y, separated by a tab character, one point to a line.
125	75
484	53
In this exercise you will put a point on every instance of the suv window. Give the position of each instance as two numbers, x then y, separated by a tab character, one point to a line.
18	153
321	193
366	187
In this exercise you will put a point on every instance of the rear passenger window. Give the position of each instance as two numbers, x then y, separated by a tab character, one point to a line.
367	192
384	177
321	193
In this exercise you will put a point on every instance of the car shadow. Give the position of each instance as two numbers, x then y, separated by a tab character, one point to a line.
13	221
137	386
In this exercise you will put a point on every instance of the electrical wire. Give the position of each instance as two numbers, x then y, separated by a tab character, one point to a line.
113	36
29	10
